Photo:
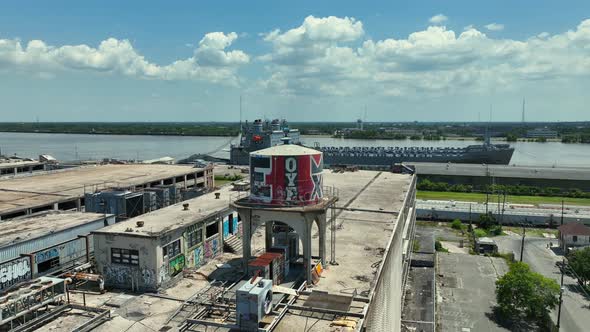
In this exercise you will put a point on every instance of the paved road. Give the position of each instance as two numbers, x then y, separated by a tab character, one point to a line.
466	292
575	312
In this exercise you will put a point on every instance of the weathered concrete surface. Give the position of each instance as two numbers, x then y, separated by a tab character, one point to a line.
49	188
466	291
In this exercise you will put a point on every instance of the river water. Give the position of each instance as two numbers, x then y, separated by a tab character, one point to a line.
74	147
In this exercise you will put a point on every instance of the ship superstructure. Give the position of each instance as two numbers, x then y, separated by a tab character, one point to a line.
261	135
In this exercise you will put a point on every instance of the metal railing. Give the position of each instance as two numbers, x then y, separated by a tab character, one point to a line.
329	194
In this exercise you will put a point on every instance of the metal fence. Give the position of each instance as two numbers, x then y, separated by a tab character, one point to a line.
384	312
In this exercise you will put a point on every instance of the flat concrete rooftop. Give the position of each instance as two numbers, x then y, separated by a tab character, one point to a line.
41	224
506	171
173	216
11	163
361	237
48	188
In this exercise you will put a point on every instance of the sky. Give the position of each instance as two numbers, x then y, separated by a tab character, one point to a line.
426	60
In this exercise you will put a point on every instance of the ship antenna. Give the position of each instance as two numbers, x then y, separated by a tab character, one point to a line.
240	113
487	137
523	120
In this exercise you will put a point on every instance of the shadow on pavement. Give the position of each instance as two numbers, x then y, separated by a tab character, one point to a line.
517	324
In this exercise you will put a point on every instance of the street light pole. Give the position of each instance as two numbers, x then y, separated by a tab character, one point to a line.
559	309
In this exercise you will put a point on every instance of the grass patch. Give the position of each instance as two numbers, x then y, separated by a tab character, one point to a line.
531	231
480	232
220	180
439	247
416	246
480	198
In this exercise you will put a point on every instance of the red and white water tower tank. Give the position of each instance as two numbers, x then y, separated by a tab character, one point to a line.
286	175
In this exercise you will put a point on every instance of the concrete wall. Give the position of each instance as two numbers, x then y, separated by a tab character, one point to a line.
140	277
582	240
155	270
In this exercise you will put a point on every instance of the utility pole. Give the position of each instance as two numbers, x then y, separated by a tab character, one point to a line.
562	212
560	293
503	208
487	199
522	243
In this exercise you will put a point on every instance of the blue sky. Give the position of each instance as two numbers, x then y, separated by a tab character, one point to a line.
304	60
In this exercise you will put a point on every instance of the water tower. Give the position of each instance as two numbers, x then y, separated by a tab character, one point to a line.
286	186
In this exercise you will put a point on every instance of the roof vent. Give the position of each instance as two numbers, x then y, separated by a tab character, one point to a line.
140	223
185	206
217	195
128	229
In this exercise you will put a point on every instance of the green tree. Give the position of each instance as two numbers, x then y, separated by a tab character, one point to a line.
456	224
486	220
511	138
579	261
522	292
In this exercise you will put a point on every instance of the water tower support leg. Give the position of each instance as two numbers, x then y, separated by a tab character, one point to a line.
246	238
306	239
322	238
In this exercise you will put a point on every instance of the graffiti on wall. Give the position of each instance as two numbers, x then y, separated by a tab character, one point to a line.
197	253
176	264
225	228
115	274
235	223
46	255
211	248
163	275
14	272
149	276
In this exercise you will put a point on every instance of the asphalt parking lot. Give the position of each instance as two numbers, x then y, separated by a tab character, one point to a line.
466	292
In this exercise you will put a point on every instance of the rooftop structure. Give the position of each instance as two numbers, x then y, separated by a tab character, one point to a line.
42	224
14	165
573	235
159	222
64	190
45	242
574	229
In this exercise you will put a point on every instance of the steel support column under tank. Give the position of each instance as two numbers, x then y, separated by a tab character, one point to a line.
301	220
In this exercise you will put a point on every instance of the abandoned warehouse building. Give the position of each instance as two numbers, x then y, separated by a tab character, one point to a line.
149	251
46	242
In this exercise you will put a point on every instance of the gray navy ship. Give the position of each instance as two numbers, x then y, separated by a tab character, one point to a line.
264	134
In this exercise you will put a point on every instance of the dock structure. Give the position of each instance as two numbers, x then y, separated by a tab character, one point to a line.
65	189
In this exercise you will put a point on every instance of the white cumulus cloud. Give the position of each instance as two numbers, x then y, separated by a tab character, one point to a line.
438	19
433	61
210	61
495	27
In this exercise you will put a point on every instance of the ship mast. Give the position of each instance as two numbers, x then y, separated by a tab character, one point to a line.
241	129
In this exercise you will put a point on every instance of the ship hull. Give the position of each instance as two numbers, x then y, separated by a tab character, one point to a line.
494	157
